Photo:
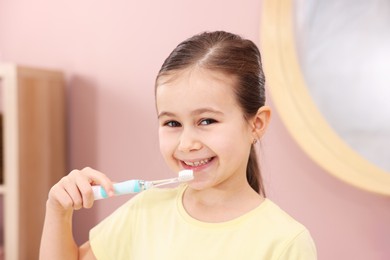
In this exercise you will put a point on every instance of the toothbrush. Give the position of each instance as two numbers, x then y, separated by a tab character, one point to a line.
135	186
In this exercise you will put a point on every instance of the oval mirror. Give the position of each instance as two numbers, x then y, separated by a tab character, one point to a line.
300	63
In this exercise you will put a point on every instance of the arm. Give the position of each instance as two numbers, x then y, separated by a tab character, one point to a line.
85	252
71	193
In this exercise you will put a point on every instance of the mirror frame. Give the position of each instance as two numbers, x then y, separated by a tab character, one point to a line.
297	109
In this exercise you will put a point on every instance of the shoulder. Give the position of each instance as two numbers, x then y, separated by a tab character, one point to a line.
300	246
295	239
277	217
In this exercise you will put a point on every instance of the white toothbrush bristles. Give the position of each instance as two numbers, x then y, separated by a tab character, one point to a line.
186	175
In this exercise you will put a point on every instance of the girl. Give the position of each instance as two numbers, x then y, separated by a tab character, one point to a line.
211	111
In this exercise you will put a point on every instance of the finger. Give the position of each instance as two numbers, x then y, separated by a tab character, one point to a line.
70	187
99	178
59	198
65	201
84	185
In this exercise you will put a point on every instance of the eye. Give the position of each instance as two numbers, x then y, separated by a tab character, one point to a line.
172	124
207	121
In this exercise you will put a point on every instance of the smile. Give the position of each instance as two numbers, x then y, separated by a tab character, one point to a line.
197	163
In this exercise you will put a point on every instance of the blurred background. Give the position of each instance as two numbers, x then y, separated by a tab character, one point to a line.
111	51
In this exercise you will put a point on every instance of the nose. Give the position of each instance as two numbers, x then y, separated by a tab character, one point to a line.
189	141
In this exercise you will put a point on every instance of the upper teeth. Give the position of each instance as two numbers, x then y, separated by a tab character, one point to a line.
201	162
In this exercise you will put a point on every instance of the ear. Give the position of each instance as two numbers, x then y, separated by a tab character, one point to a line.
260	122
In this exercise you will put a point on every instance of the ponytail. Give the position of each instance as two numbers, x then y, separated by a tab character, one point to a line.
253	173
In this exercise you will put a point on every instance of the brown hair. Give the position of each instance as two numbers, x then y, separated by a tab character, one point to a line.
233	55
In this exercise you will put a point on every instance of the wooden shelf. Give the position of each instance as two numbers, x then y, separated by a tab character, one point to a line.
33	104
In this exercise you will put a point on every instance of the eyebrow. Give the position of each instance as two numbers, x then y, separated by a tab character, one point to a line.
193	113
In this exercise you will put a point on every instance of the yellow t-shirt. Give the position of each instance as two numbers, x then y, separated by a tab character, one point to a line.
155	225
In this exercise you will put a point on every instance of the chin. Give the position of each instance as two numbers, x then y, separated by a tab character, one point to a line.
199	185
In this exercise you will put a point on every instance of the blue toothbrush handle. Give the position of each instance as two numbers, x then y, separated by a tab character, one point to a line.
120	188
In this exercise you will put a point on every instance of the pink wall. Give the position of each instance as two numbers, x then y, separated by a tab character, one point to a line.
111	51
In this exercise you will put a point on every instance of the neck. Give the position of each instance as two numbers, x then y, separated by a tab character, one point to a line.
218	204
221	195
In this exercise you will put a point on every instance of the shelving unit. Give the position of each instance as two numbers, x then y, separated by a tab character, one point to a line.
33	115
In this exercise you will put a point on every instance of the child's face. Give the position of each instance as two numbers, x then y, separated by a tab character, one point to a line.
202	127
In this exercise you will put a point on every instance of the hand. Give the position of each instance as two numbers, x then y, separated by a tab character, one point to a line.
74	191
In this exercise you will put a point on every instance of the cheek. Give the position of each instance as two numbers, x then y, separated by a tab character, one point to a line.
222	144
232	139
166	143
